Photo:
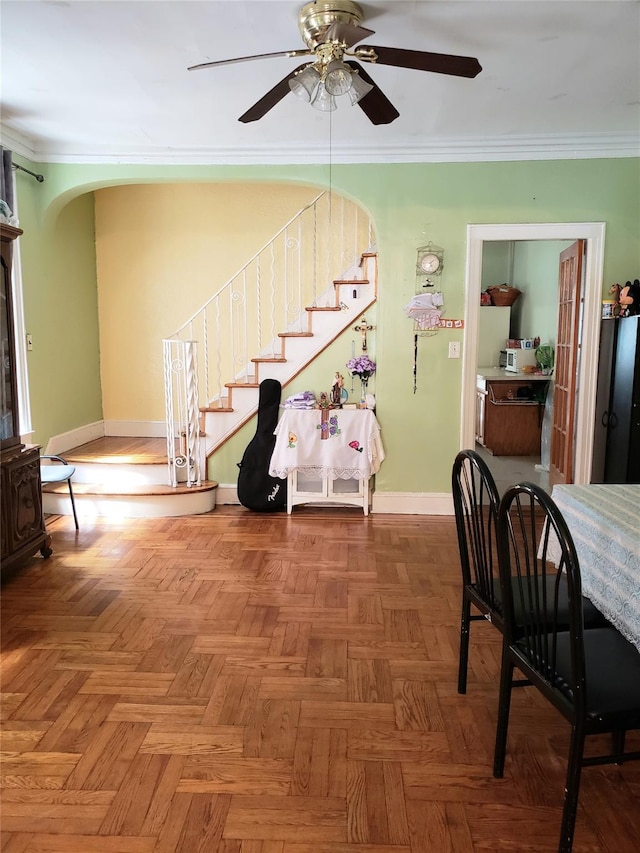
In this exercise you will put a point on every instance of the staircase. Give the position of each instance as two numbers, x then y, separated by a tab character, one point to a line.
339	308
270	320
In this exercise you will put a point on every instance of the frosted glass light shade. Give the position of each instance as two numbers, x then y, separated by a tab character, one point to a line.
359	88
337	80
323	100
303	84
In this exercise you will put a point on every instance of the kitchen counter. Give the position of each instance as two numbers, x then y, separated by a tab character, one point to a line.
500	373
509	409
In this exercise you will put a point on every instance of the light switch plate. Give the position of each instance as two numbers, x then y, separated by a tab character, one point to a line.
454	349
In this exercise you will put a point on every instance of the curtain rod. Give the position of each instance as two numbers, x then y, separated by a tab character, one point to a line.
39	178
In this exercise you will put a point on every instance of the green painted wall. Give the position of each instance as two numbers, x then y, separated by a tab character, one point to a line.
60	307
410	204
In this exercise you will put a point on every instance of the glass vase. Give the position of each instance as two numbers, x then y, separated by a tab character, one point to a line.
364	382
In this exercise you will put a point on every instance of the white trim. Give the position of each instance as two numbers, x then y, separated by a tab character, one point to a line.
446	150
412	503
593	233
146	429
19	330
75	438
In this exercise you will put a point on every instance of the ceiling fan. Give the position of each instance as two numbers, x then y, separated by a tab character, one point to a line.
330	29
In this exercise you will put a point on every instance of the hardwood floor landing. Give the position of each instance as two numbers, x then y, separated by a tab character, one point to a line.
120	450
262	683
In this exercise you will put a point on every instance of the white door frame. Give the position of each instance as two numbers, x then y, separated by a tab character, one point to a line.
593	233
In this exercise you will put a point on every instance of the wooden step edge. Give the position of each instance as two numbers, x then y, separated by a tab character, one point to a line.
328	308
278	360
369	255
339	281
214	409
295	334
241	384
85	489
116	459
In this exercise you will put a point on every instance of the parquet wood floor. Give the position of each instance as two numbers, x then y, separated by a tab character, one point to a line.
246	683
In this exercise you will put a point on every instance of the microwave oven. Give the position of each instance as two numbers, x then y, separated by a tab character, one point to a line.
518	358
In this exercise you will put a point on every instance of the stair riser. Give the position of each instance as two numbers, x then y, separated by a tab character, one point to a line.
131	506
121	475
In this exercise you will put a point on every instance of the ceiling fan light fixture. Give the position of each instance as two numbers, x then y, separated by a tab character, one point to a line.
304	83
338	78
359	88
323	100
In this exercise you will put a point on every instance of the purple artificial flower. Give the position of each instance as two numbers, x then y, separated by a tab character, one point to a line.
361	366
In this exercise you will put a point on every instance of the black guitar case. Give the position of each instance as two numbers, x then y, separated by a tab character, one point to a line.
257	490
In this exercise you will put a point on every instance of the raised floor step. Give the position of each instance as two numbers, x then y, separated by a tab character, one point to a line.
126	477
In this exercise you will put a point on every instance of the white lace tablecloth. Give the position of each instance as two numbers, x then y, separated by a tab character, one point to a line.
604	522
352	448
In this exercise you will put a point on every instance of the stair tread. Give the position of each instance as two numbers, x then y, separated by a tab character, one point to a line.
351	281
80	489
241	384
269	360
326	308
217	409
115	450
295	334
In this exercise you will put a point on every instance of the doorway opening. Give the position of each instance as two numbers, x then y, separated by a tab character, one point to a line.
593	234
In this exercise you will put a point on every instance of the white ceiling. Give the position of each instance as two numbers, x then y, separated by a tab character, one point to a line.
93	81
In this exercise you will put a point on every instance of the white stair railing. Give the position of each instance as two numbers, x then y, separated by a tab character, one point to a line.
268	295
182	412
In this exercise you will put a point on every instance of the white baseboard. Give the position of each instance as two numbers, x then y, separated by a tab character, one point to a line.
74	438
392	503
146	429
412	503
227	493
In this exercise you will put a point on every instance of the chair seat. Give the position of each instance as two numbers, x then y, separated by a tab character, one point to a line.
612	667
56	473
593	618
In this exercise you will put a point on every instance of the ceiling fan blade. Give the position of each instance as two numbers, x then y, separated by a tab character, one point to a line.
272	97
375	104
345	33
301	52
440	63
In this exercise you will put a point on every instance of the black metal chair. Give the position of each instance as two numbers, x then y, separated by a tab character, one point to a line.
592	677
476	500
59	473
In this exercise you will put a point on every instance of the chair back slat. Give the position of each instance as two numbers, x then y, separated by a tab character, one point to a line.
532	585
475	498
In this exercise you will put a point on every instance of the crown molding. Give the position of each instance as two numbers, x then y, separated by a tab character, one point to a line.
468	150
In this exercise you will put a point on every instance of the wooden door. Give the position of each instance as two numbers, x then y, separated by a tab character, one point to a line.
570	300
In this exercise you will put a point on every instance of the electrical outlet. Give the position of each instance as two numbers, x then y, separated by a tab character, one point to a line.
29	342
454	349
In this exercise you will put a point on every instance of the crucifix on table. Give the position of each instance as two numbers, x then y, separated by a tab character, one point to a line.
364	328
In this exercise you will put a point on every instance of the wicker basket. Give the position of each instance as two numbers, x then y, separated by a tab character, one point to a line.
503	294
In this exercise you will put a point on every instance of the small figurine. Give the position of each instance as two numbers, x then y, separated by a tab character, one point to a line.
336	390
630	299
614	290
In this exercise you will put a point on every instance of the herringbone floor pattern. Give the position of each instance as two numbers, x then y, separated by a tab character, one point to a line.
245	683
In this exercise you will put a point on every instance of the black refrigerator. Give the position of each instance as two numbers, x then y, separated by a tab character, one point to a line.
616	445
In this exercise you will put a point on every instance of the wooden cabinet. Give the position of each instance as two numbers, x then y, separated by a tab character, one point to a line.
308	489
509	415
23	530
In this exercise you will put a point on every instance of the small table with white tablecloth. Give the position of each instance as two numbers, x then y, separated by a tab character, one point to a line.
323	453
604	524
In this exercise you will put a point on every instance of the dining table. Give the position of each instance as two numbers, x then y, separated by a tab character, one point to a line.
604	522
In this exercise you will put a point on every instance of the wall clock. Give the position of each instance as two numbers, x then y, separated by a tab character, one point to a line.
429	263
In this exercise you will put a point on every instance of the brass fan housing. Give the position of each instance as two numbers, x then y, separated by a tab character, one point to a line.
314	19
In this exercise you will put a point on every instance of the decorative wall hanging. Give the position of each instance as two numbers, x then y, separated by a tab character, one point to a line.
427	306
